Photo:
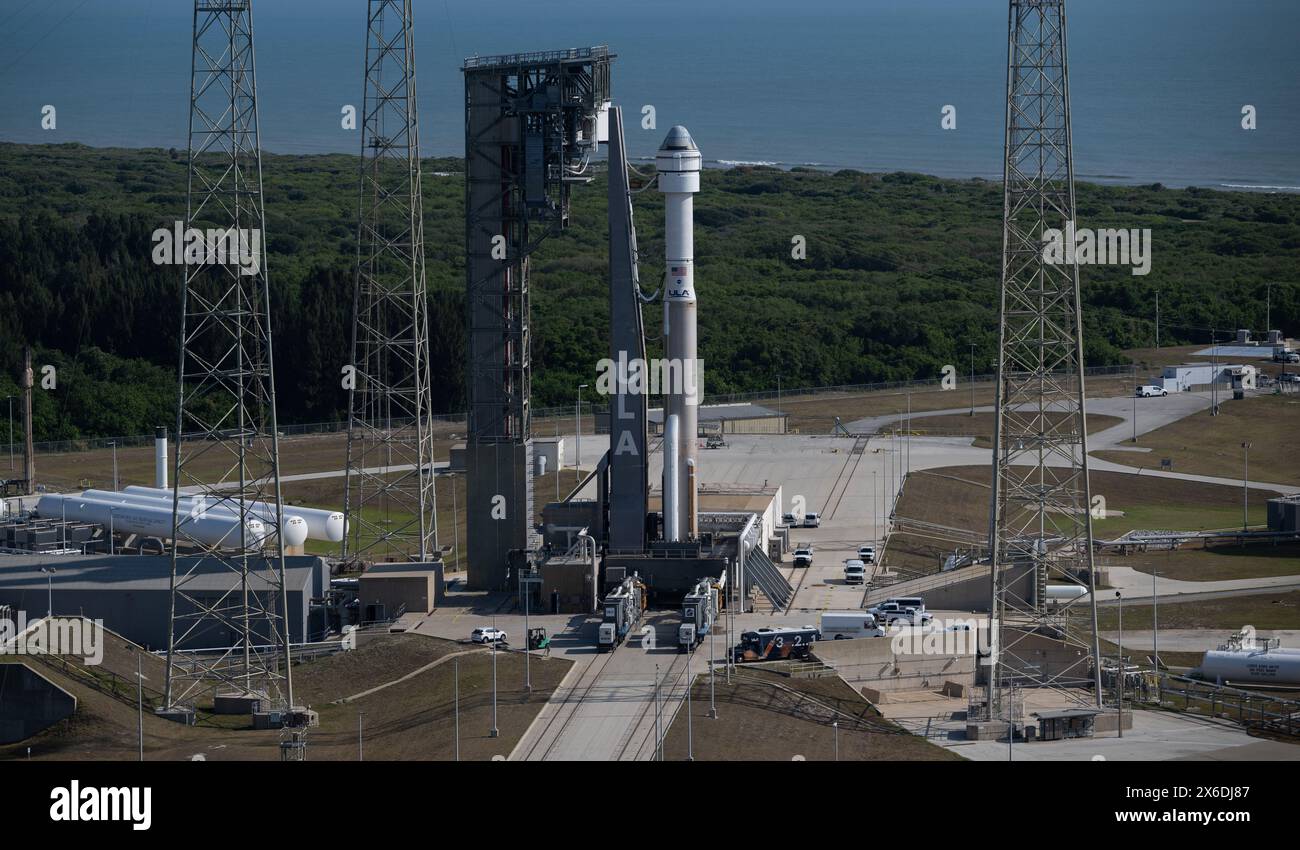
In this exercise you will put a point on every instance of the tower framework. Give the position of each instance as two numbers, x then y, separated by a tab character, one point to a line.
389	492
532	123
1040	524
228	628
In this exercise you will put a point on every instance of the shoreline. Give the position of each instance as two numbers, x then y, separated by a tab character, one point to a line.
1221	185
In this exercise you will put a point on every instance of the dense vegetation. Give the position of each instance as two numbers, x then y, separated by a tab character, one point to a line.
900	277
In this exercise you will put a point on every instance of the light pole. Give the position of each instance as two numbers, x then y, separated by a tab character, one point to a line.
495	731
113	444
455	521
778	399
690	729
1155	626
456	701
972	379
713	702
577	457
1245	488
1119	705
49	584
111	511
659	740
528	635
835	724
139	702
10	399
1135	417
361	746
1157	320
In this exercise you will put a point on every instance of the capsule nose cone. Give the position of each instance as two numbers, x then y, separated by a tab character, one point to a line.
678	139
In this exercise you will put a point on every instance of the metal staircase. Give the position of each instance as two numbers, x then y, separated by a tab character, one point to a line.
769	579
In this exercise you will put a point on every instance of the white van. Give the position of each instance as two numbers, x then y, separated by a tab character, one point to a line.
846	625
855	572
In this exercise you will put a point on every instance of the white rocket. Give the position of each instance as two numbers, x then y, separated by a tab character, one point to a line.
678	164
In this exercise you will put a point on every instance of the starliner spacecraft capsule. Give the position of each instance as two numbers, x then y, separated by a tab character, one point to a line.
678	163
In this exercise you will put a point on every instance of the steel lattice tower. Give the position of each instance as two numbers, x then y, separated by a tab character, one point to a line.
1040	524
227	594
389	493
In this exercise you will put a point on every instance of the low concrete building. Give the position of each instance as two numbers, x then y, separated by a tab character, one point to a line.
131	594
388	590
548	454
730	419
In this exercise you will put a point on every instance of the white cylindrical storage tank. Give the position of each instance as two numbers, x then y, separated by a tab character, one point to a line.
159	458
1252	666
672	449
321	524
1065	592
295	527
211	529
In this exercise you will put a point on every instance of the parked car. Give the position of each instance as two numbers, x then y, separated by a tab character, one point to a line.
789	520
1148	390
803	556
867	553
1288	378
811	521
891	613
487	634
855	572
1285	355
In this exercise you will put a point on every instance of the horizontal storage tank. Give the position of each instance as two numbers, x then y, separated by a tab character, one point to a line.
1065	592
295	527
321	524
1273	667
212	529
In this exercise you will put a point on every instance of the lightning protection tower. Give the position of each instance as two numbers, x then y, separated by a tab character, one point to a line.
228	634
1040	525
389	490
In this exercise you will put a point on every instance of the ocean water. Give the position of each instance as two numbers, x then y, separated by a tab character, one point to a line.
1157	85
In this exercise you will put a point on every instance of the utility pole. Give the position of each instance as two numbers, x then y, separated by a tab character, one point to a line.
494	731
1245	488
577	451
1155	626
1157	320
456	701
659	740
29	454
972	379
1119	647
113	443
361	746
10	399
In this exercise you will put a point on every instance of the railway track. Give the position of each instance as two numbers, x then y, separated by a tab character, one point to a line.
568	710
634	734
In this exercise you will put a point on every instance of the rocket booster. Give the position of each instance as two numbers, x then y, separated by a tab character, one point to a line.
678	164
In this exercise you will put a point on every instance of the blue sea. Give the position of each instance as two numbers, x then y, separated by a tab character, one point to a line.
1157	85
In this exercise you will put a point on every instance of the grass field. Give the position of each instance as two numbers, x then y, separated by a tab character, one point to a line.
1221	563
958	498
1269	610
980	426
816	414
1211	445
759	722
410	720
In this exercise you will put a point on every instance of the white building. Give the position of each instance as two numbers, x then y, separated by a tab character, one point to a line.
1177	379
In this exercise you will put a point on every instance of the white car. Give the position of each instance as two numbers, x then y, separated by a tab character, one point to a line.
1148	390
803	556
487	634
811	521
867	554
